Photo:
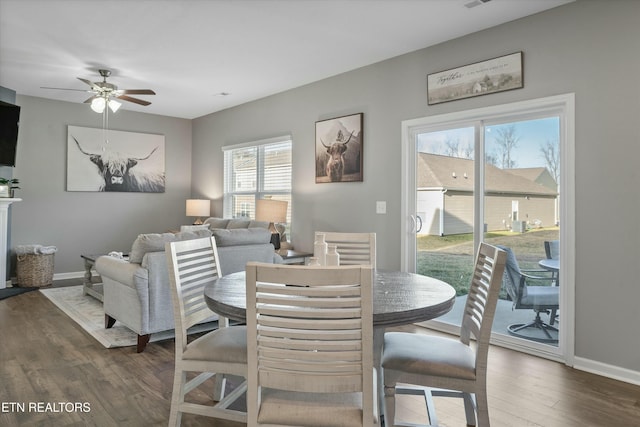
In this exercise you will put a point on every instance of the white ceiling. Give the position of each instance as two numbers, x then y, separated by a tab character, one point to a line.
189	51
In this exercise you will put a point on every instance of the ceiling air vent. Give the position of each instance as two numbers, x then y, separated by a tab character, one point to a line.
475	3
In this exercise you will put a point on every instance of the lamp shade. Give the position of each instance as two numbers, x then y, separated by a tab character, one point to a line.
198	207
271	210
98	104
114	105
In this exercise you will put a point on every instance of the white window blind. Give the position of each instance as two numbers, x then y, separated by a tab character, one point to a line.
256	170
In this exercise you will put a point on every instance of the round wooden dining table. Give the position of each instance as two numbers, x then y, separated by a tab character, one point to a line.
399	298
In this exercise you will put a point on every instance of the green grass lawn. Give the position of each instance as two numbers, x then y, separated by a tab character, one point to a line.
450	258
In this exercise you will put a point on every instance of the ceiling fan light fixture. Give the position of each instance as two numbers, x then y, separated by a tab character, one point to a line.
114	105
98	104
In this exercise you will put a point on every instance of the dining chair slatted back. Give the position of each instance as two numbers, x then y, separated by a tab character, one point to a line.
193	264
444	366
482	300
354	248
310	335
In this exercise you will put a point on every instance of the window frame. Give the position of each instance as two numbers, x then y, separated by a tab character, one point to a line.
259	191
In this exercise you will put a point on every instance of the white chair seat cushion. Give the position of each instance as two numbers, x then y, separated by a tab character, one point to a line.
417	354
310	409
222	345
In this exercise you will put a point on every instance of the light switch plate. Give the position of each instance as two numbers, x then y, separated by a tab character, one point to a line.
381	207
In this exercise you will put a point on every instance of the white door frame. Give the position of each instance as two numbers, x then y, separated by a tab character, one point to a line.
564	107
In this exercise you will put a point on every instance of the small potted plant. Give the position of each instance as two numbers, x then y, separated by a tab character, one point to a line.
8	186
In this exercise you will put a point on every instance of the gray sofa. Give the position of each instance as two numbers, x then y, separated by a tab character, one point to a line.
136	291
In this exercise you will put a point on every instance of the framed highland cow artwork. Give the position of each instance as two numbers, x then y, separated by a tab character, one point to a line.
339	146
110	160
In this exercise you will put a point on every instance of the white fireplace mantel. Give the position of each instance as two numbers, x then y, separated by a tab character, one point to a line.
5	202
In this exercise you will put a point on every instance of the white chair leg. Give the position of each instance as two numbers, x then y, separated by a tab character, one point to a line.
469	409
389	406
177	397
219	385
482	408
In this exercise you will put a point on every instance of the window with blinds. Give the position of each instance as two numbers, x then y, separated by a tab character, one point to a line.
256	170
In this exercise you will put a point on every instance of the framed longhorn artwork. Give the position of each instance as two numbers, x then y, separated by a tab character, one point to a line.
339	144
115	161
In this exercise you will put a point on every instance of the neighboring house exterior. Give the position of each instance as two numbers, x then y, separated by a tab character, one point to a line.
513	197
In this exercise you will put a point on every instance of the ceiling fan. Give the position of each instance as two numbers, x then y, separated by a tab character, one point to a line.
104	93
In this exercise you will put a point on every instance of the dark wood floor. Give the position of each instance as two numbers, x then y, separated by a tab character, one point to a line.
46	357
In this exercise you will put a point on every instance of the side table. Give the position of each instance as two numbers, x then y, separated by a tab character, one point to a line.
88	286
289	256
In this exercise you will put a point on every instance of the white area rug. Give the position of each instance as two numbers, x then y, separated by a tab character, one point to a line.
87	312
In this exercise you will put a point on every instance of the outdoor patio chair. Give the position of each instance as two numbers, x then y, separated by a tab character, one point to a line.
192	265
430	365
528	291
552	249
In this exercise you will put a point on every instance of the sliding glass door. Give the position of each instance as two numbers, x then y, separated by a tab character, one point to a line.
445	197
495	176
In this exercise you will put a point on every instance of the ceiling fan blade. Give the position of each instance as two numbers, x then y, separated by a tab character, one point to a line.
64	88
138	92
134	100
90	83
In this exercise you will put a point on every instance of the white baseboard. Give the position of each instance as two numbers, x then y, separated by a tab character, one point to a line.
59	276
71	275
605	370
580	363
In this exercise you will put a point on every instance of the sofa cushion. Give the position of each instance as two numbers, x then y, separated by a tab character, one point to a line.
152	242
241	236
234	223
194	227
217	222
193	234
238	223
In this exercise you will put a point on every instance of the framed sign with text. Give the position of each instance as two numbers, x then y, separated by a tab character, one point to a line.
481	78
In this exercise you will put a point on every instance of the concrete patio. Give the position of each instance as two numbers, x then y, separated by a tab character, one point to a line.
505	316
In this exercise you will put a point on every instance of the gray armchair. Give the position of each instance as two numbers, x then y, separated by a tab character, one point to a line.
528	291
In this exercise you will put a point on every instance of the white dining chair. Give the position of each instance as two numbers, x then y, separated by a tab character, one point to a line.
192	265
353	248
310	346
443	366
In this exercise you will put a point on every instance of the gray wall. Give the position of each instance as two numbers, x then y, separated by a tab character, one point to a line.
588	47
90	222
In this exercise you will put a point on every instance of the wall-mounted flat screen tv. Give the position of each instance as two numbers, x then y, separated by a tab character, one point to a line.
9	122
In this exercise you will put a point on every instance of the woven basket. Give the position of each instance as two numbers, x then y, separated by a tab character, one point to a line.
35	270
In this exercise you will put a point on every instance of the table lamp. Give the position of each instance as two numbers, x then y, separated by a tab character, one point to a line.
198	208
273	211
